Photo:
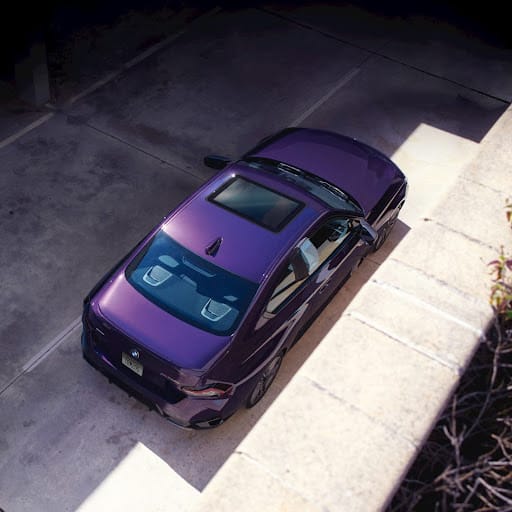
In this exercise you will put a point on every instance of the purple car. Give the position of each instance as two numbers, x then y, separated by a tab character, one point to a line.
196	319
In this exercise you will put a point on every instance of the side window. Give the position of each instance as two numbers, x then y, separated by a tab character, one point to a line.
329	237
314	251
285	288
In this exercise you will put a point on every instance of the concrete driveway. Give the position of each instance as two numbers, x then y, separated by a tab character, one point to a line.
80	189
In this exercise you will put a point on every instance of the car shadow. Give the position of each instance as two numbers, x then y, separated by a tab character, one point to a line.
196	456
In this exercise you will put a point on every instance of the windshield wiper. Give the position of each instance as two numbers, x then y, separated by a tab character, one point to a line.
314	179
289	172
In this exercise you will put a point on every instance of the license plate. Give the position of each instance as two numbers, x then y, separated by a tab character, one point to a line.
131	363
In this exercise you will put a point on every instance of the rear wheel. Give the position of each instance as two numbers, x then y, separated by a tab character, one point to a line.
264	381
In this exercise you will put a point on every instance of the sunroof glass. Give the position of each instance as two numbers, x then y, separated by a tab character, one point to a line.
257	203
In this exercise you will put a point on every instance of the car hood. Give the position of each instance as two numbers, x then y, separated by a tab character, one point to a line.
356	168
181	344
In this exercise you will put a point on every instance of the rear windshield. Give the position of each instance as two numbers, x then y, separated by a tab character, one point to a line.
189	287
257	203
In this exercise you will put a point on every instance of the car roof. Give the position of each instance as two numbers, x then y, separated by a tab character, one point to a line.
247	248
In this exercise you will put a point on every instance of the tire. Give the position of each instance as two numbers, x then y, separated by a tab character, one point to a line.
384	233
265	379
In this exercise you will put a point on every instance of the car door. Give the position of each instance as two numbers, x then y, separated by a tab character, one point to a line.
327	256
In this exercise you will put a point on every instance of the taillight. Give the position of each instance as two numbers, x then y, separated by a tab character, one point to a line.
220	390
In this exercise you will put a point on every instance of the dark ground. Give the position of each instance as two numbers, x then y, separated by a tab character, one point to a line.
58	21
63	17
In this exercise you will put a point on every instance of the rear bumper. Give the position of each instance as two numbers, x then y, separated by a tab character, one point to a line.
187	413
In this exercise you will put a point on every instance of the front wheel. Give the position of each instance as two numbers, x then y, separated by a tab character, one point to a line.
384	232
265	379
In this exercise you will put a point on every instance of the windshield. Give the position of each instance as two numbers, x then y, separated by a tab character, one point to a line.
189	287
321	189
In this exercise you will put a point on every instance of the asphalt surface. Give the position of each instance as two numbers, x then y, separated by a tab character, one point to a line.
80	189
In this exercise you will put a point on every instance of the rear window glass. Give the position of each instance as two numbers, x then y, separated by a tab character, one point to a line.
189	287
256	203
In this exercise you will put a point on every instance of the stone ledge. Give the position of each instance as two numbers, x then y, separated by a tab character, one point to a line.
492	166
449	257
421	287
415	324
381	377
344	431
463	212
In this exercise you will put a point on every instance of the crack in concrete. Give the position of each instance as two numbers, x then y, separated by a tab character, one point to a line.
441	282
278	478
461	233
319	30
390	428
328	34
426	305
143	151
455	368
483	185
44	352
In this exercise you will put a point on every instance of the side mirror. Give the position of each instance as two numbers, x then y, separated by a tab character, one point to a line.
216	161
367	233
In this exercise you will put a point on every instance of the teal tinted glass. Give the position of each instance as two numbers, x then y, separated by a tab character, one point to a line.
257	203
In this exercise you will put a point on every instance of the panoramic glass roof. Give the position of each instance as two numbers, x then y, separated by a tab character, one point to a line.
256	203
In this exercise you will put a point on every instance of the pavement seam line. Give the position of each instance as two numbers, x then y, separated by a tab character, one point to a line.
444	284
93	87
407	343
52	345
345	79
426	305
461	233
390	428
106	79
137	59
322	31
23	131
327	33
33	362
250	458
145	152
472	181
